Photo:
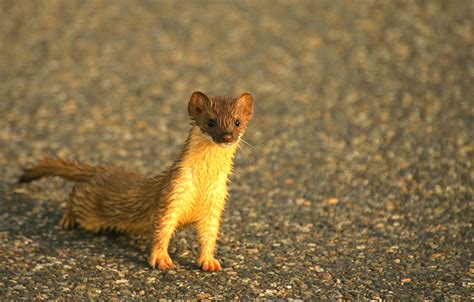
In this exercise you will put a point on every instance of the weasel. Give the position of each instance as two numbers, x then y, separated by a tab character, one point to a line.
192	191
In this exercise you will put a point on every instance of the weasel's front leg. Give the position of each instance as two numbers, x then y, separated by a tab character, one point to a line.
208	231
165	227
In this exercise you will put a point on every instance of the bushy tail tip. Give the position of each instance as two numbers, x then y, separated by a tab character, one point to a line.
27	177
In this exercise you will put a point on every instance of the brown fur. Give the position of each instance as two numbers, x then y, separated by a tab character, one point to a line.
192	191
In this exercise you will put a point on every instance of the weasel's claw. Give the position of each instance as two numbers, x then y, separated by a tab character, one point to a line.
210	265
163	262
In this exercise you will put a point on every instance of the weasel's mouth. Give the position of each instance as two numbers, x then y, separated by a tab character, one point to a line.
226	145
222	143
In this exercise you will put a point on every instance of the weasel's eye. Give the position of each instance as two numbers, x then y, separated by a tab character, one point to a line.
237	123
211	122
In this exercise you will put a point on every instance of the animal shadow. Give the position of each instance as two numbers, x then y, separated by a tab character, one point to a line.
37	222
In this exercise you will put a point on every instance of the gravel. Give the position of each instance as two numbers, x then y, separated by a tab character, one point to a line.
358	183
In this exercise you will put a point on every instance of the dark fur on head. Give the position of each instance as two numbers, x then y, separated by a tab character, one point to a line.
223	118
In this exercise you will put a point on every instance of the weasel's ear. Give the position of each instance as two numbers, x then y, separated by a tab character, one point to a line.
245	103
197	103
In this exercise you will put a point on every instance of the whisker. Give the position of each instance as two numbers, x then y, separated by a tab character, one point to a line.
245	155
247	143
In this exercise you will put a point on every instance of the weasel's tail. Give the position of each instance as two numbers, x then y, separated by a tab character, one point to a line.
67	169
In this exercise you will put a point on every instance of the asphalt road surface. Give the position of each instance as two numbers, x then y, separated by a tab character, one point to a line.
359	181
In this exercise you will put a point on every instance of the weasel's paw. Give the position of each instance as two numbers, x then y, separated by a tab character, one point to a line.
209	264
162	260
67	222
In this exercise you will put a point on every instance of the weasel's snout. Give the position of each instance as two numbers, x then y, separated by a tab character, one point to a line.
227	137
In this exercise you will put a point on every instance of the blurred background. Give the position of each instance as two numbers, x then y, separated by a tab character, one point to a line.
362	136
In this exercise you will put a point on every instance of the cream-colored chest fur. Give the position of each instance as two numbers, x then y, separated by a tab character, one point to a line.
201	186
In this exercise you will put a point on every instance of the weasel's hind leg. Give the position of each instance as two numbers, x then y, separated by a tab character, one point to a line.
83	209
68	221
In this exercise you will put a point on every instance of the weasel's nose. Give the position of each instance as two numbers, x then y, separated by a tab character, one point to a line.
227	137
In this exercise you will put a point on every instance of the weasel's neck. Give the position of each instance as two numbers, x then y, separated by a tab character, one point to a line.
201	151
201	164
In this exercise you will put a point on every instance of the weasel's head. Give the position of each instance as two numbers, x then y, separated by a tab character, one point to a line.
222	119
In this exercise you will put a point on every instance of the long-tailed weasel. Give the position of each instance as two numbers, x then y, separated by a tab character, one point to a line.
192	191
